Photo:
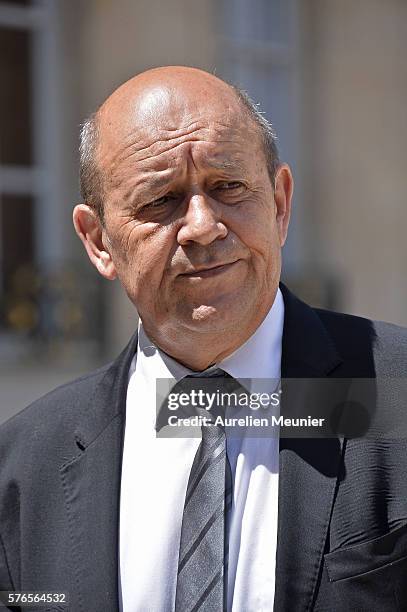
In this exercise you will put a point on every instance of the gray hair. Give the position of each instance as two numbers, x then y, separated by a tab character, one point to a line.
266	129
91	176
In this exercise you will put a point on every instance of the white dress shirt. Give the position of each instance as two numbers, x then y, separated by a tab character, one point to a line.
155	475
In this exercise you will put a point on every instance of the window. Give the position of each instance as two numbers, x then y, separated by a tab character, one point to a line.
17	197
259	52
44	297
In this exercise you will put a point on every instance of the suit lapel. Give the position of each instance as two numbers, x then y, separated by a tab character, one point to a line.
91	483
309	468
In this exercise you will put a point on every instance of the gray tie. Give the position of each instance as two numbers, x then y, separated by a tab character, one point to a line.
202	565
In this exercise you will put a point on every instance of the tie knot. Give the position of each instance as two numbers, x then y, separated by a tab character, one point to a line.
211	372
202	394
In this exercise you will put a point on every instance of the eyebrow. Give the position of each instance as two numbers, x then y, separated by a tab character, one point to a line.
227	164
154	181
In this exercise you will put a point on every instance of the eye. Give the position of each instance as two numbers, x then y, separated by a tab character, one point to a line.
159	202
229	185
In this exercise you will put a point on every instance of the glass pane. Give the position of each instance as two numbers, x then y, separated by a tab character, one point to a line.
15	97
16	262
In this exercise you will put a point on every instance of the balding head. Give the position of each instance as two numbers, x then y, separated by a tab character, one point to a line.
162	96
150	93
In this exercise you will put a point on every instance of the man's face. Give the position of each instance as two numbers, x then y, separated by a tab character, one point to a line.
191	222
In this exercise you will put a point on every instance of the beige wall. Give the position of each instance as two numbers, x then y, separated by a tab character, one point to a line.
123	37
355	149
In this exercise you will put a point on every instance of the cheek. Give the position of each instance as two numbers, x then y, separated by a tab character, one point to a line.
258	230
141	254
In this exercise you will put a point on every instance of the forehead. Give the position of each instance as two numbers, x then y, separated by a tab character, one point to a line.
164	126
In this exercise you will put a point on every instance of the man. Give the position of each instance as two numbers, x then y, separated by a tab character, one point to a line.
186	202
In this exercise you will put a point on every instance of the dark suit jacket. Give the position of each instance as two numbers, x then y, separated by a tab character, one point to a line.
342	524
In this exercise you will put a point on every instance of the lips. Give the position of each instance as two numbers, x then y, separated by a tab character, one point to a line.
212	271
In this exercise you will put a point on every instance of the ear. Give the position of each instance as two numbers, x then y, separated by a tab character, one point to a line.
283	192
90	231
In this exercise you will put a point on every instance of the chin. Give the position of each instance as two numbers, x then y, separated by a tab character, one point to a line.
203	313
208	318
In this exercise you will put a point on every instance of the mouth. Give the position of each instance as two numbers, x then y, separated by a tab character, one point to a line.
212	271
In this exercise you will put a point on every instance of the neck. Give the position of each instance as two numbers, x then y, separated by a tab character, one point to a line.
207	356
198	350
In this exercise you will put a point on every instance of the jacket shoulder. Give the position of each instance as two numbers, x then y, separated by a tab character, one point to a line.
358	338
49	426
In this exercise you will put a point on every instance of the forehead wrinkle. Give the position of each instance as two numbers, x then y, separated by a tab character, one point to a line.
132	152
156	178
171	135
130	141
183	133
222	164
194	131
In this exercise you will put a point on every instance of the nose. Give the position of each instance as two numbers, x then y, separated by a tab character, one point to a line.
201	223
